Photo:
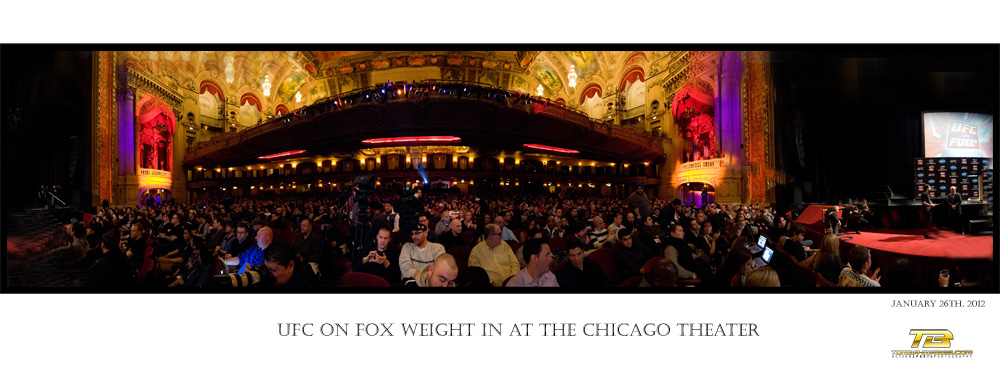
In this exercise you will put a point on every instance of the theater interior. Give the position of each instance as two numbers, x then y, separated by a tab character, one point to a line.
789	131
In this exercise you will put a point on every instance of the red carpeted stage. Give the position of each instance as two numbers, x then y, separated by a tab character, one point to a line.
926	256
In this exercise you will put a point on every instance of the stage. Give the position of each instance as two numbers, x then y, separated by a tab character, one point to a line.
926	257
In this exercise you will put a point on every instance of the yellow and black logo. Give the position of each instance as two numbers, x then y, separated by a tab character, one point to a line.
931	343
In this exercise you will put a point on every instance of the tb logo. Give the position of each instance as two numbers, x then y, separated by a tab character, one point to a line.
932	338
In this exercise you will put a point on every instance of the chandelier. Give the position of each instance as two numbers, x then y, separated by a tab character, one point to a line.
540	90
298	97
229	69
572	76
267	85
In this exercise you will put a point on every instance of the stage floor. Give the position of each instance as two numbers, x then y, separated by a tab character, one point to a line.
945	244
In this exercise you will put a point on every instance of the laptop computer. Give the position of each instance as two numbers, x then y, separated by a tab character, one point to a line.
765	258
761	242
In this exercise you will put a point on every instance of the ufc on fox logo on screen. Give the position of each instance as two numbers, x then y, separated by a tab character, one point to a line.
931	343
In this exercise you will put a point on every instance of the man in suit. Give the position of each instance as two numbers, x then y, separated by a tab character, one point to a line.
925	200
954	202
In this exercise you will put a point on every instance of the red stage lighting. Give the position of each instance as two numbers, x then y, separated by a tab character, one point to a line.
551	149
412	140
282	154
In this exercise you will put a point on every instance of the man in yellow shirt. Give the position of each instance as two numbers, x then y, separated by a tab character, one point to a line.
494	256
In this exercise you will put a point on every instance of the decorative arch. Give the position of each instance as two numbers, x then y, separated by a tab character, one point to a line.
212	88
631	75
634	59
589	92
281	110
252	100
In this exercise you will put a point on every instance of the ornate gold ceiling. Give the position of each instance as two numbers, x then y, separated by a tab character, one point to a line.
319	74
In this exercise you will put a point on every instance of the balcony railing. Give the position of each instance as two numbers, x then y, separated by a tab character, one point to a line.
407	92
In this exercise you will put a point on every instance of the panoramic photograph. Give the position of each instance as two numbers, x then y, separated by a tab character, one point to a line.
805	168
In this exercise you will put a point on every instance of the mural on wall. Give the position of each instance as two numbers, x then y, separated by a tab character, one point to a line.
291	84
548	77
585	61
449	74
324	56
519	84
347	83
318	91
490	77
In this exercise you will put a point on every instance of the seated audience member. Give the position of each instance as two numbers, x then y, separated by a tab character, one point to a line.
707	243
898	274
177	257
827	260
309	246
762	277
77	248
254	256
678	252
552	229
239	243
780	227
974	272
505	233
197	271
228	234
652	235
616	225
420	253
536	272
494	256
630	254
442	272
664	274
536	233
424	218
285	270
112	269
93	236
135	247
453	236
381	259
391	217
736	265
579	271
859	260
598	233
216	235
793	245
578	232
831	221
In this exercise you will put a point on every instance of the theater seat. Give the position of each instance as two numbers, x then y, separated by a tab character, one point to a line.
147	266
467	237
355	279
507	280
461	254
288	237
557	245
514	246
648	267
632	282
605	257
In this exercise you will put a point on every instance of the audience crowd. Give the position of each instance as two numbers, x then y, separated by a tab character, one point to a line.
446	238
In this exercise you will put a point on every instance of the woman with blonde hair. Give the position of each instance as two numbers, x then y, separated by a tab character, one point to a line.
762	277
827	261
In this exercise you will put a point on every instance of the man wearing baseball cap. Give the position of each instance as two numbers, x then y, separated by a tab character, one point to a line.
418	254
639	203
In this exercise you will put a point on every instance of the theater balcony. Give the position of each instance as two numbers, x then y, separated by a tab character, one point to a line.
466	131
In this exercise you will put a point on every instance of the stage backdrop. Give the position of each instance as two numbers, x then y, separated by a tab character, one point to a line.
937	175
